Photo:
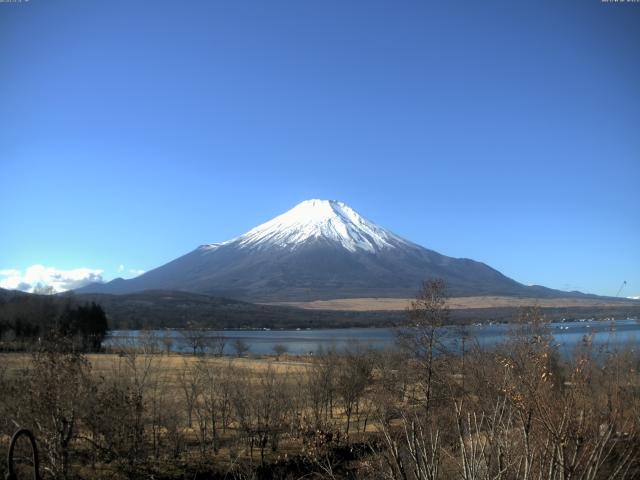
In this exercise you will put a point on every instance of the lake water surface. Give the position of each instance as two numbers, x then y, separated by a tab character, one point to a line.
607	335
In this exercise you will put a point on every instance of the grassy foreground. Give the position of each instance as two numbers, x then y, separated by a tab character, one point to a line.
518	411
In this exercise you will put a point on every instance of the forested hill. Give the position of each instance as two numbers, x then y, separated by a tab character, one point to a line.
175	309
27	319
161	309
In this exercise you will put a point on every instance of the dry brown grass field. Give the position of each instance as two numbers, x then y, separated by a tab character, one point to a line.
519	411
395	304
168	377
171	365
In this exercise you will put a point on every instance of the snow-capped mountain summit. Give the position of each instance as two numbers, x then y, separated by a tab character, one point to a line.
316	220
320	249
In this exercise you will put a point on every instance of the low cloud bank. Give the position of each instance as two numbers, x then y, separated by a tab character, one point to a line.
39	278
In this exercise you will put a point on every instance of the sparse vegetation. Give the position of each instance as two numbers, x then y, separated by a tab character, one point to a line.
241	347
516	411
280	349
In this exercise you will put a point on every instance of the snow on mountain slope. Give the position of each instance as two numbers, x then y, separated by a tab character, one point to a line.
210	247
320	249
320	219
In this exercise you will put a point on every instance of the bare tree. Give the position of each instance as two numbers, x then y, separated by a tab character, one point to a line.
215	342
280	349
424	334
56	384
262	408
117	417
149	342
210	406
195	338
190	384
241	347
167	341
353	377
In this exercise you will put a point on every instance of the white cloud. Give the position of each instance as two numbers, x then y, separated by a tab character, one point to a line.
637	297
9	272
39	276
131	271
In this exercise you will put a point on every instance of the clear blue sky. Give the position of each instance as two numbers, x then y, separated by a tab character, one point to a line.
507	132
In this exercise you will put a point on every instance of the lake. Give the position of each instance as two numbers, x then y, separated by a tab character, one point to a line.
607	335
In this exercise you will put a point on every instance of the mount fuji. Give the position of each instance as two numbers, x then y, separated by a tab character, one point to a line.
318	250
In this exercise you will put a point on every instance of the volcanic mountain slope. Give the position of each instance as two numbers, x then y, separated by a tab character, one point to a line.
320	249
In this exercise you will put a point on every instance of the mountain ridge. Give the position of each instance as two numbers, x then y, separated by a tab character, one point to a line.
319	250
